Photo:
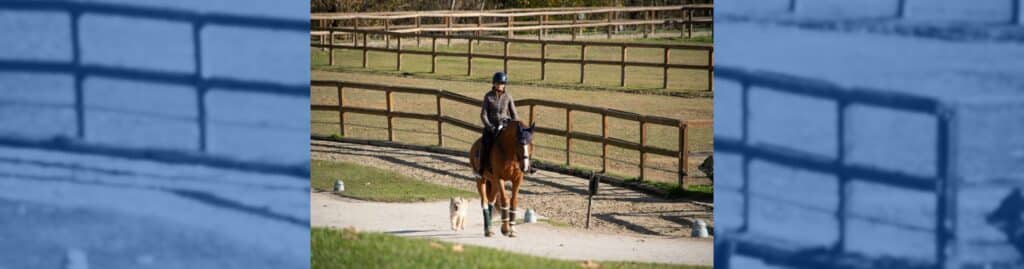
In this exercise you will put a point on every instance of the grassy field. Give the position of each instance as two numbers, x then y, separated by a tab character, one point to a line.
368	183
560	86
350	249
562	75
551	148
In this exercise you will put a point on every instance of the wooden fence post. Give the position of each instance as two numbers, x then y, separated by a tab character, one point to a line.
543	59
447	30
418	31
531	113
364	50
469	57
505	58
321	24
330	49
355	37
341	111
682	24
664	69
689	29
479	24
604	141
901	8
683	154
643	144
583	57
387	38
609	28
509	34
573	29
398	55
391	135
711	69
647	27
543	31
622	69
1015	18
568	137
654	16
540	31
580	29
440	123
433	54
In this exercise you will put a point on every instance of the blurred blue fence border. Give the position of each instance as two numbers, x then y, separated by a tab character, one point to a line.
869	134
154	133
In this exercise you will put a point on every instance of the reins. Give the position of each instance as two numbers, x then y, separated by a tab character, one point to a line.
502	150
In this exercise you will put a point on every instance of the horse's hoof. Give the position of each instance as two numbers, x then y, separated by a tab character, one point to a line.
488	234
512	234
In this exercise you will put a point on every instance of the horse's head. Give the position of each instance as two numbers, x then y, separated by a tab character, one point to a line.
525	138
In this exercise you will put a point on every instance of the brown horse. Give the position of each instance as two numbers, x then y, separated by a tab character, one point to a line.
510	158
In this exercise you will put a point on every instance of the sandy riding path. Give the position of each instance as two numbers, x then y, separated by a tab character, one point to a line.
429	220
559	197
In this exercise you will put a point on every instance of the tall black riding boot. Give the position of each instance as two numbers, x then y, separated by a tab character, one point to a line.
481	154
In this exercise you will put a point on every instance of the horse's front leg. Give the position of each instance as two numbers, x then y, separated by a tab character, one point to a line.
514	202
503	203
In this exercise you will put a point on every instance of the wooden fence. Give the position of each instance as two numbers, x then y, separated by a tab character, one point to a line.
574	19
643	121
623	61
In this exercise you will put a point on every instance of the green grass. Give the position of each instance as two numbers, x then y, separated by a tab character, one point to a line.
368	183
562	75
703	192
350	249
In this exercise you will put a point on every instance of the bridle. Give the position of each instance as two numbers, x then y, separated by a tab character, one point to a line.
525	156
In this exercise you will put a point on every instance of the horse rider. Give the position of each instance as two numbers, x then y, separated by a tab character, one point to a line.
498	108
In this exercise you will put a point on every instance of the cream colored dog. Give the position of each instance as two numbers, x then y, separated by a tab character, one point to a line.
457	208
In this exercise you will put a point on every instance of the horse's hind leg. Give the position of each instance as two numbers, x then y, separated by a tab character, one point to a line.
481	187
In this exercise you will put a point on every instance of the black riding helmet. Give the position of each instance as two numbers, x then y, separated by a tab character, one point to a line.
500	77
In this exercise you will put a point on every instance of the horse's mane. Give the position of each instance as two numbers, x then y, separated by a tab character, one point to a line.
517	124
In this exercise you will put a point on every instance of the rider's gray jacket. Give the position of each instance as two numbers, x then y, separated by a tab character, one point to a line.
497	108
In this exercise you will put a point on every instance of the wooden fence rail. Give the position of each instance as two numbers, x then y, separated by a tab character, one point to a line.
684	17
569	133
665	65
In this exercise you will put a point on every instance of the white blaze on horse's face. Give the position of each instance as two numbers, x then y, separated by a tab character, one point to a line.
526	158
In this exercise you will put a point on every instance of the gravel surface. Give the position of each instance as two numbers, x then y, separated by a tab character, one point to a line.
430	220
559	197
